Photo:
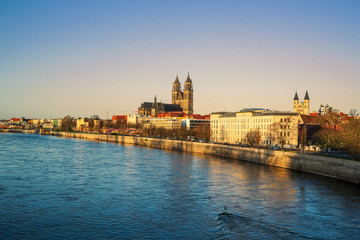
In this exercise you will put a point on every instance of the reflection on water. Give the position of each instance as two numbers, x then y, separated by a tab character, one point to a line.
60	188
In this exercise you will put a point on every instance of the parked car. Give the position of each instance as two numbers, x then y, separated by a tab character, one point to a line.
275	147
245	145
237	143
226	143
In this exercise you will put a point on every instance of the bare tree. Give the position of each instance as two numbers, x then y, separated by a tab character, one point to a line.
222	133
253	137
203	132
91	123
331	118
95	116
353	113
328	138
68	123
350	137
108	124
282	132
303	138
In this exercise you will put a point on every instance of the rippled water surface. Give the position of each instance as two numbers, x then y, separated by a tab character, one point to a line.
57	188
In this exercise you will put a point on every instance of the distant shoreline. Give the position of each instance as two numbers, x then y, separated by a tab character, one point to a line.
342	169
32	131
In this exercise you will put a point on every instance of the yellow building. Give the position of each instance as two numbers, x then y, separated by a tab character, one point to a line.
232	127
81	123
302	107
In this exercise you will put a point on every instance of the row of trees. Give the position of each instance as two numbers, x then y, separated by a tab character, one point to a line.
280	133
68	123
346	138
201	132
95	124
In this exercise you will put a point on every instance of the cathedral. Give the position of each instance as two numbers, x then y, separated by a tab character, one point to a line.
181	101
302	107
183	98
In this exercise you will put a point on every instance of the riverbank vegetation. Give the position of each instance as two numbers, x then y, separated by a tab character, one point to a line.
346	138
95	125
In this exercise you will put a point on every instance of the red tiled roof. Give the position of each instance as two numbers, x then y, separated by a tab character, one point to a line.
171	114
119	118
309	118
196	116
15	119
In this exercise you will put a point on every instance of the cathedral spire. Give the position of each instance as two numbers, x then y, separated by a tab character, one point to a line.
188	84
296	97
177	79
306	96
188	78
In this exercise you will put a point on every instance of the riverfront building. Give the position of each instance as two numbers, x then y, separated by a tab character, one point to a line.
274	126
163	123
82	123
169	121
192	123
135	119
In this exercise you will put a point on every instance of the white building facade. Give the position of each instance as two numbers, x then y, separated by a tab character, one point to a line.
232	127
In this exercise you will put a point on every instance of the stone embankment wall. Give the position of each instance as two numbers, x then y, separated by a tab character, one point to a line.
342	169
32	131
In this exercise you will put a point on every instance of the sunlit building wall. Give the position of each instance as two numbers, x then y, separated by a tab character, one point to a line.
232	127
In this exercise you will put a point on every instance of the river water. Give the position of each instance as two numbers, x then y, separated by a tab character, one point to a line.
58	188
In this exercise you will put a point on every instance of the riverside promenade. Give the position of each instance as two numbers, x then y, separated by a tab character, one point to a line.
342	169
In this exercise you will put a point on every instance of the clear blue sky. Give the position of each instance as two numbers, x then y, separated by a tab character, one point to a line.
89	57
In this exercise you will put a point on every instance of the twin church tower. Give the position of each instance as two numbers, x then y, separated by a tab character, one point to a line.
302	107
183	98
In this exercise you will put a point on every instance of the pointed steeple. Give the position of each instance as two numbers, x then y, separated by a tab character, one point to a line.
176	84
306	96
188	84
155	99
188	78
296	97
177	79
